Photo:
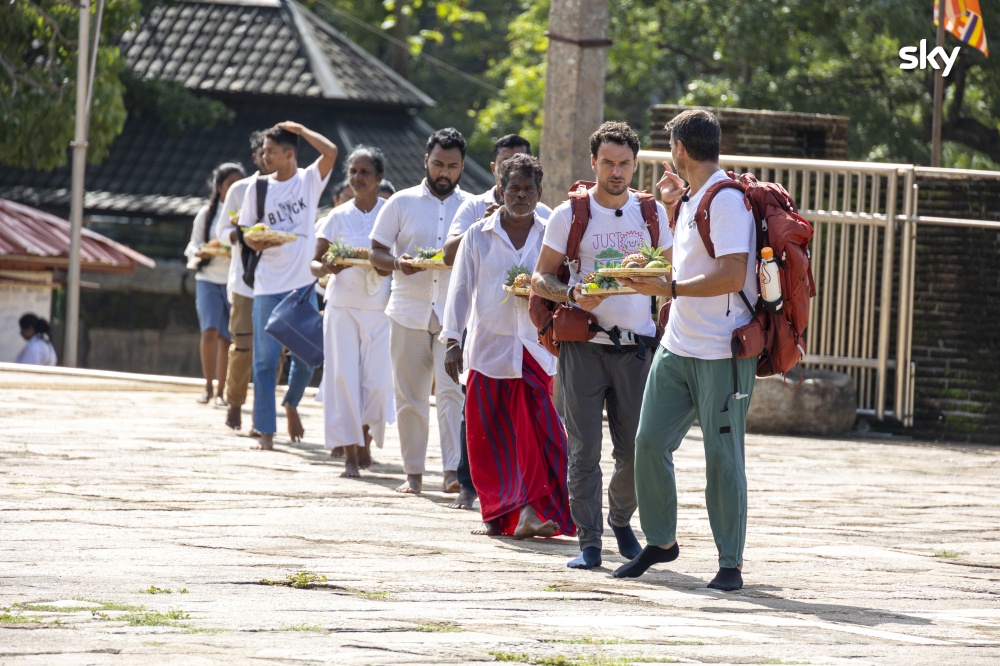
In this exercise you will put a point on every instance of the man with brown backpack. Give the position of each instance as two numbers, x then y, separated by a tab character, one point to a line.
604	343
695	368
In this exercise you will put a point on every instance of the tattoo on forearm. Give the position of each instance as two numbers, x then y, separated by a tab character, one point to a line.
740	258
552	288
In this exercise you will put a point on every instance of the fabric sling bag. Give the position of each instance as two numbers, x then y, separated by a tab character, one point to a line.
297	325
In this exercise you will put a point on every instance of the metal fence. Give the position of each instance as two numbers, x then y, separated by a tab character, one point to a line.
863	258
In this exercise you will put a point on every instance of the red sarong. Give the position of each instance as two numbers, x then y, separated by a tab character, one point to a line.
517	447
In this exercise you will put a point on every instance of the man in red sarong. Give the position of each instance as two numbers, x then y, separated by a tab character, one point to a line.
517	444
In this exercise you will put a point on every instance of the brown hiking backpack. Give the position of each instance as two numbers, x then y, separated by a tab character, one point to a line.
777	336
562	322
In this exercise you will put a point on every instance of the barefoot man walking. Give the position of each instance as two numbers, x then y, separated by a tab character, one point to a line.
419	217
290	205
517	445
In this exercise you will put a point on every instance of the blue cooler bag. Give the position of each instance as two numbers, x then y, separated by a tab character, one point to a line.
297	325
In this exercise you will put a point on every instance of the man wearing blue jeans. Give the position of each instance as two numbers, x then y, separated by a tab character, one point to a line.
289	205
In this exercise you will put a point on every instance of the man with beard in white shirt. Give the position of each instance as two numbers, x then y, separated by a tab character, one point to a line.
290	205
413	218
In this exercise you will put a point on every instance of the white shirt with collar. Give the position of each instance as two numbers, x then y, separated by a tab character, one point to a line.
475	207
38	351
413	218
499	328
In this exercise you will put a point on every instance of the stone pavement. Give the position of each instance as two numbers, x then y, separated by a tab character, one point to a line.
136	528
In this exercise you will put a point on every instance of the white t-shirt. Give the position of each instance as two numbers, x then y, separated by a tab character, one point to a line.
474	209
353	287
703	327
290	205
224	232
38	351
216	270
609	238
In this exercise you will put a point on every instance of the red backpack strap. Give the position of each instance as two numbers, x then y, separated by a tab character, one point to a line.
701	215
579	203
651	216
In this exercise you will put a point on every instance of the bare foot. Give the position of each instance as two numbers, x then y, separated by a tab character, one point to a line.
295	429
365	453
337	452
220	401
204	397
253	432
464	500
489	528
529	525
351	470
234	417
450	483
412	486
266	443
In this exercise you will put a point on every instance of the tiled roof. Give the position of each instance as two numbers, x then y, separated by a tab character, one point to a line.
153	172
261	47
29	233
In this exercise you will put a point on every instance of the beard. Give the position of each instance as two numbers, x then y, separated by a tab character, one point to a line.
442	186
615	190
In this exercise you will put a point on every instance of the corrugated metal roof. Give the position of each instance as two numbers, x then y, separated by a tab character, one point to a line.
261	48
28	232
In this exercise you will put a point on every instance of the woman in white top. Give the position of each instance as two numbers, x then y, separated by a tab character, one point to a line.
357	374
39	350
211	276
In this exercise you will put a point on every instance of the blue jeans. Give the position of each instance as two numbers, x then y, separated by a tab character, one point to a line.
266	354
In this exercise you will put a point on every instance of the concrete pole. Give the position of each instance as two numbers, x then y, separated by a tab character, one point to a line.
76	199
574	92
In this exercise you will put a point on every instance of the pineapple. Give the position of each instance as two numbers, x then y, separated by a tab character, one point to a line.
429	254
341	250
646	254
595	280
518	277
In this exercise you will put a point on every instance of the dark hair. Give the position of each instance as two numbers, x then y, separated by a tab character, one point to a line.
522	164
339	188
447	138
614	131
256	142
700	133
374	154
35	322
215	181
511	141
387	187
282	138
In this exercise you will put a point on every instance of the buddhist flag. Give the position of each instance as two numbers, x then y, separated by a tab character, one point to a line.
964	19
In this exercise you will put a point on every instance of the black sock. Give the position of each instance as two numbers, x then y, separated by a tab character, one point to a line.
727	580
649	556
589	557
628	545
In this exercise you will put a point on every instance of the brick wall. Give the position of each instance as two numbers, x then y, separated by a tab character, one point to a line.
749	132
956	325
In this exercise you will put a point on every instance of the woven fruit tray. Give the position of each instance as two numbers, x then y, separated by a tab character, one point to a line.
216	250
348	261
518	291
270	236
634	272
622	291
432	264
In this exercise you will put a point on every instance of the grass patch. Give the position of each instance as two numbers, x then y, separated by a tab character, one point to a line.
8	618
947	554
592	641
437	627
580	660
304	626
112	606
780	661
206	630
47	608
301	580
156	590
372	596
154	619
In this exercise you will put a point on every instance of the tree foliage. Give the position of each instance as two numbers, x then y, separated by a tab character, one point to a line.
783	55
